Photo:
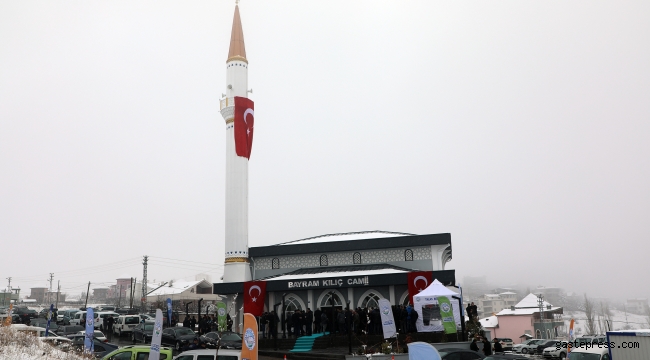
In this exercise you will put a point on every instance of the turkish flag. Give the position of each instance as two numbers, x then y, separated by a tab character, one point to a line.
418	281
254	296
244	121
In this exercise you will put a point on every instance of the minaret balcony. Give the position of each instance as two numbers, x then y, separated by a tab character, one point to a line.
227	108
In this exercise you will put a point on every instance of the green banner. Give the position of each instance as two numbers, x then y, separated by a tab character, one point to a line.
447	314
221	316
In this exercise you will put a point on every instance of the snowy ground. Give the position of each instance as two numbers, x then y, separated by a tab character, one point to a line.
15	345
620	321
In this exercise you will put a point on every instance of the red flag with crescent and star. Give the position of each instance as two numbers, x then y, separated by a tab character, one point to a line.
244	121
418	281
254	296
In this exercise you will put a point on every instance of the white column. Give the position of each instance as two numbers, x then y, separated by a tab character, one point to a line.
310	299
351	297
391	294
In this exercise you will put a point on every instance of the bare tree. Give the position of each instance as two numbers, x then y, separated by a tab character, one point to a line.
647	314
590	313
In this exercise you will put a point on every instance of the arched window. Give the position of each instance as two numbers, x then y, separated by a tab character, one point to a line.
548	333
371	300
292	304
408	255
328	299
356	258
538	334
275	263
323	260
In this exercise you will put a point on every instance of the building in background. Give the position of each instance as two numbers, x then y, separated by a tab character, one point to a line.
100	294
490	304
38	294
637	306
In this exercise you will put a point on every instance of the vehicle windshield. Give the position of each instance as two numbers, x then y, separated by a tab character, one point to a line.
148	327
184	331
584	356
231	337
132	320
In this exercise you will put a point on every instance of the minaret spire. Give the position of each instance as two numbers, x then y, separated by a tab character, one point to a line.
237	49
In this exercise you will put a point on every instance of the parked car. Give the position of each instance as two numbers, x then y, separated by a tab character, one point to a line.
464	354
80	316
593	353
100	348
125	323
97	335
506	357
230	340
126	311
137	352
178	337
40	322
64	316
558	351
590	339
102	315
146	317
107	308
211	338
204	354
25	314
543	345
526	346
143	332
69	330
506	343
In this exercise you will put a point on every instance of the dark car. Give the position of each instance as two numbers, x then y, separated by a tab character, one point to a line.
143	332
127	311
101	348
506	357
230	340
210	338
544	345
43	323
69	330
178	337
25	314
459	354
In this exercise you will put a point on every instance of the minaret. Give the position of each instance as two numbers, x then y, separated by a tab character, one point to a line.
236	267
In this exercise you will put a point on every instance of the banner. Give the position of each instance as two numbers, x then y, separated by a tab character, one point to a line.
249	342
254	297
156	338
49	319
169	312
387	319
418	281
89	344
244	121
9	313
221	316
447	314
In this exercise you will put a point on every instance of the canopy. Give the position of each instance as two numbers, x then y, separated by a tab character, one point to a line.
429	296
419	350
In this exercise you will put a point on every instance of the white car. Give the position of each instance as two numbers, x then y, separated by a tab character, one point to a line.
224	354
98	335
102	315
557	351
125	324
593	353
524	347
79	316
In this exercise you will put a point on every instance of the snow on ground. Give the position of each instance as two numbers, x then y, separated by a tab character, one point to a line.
15	345
620	320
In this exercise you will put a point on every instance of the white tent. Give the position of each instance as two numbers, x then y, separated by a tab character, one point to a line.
429	296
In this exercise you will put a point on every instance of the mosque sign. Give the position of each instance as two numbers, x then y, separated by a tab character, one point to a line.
329	282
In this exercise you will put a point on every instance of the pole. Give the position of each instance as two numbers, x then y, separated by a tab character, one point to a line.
119	299
143	301
58	291
462	319
131	295
275	326
87	291
349	330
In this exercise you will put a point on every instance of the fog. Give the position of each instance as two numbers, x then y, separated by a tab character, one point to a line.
521	128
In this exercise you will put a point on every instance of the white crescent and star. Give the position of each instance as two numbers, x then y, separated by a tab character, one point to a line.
252	113
259	291
415	281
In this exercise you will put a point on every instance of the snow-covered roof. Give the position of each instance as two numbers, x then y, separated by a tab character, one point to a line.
492	295
530	301
508	293
338	274
359	235
489	322
179	287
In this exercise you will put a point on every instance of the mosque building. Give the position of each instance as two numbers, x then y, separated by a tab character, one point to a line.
335	270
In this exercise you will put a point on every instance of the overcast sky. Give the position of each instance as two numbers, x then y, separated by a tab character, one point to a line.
520	127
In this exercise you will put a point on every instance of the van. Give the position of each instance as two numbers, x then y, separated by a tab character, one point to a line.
205	354
102	315
125	324
78	317
138	352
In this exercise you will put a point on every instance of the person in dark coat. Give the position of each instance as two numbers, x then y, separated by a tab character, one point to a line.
192	323
324	321
109	326
317	321
498	348
186	322
273	324
295	321
487	347
309	321
473	346
414	320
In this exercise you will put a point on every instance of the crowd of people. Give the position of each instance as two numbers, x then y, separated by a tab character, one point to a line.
340	321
